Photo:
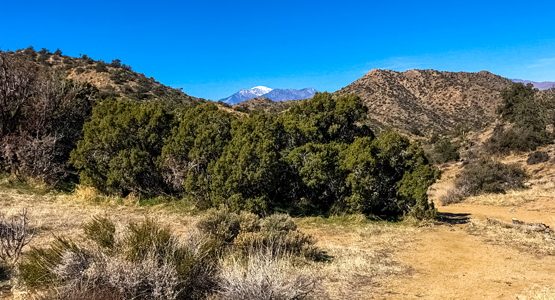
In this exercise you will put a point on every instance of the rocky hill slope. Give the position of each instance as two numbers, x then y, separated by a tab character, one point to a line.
113	79
421	102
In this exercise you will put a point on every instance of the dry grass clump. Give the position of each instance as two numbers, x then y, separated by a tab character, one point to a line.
145	262
247	233
261	276
533	238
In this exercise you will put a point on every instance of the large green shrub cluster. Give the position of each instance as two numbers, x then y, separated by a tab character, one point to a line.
318	157
121	147
528	117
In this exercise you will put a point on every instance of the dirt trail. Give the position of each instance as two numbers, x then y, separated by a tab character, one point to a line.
449	263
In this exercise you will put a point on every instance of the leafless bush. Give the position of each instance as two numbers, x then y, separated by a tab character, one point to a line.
15	233
264	277
41	117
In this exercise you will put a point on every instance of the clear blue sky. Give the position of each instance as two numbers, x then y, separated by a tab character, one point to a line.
213	48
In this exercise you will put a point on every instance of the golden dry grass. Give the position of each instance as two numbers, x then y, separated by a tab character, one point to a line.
500	233
362	251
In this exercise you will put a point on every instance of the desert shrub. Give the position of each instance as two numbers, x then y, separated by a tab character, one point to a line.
278	243
537	157
149	262
101	230
528	115
507	139
263	276
147	237
38	264
485	176
246	232
41	119
278	222
121	146
250	175
221	224
15	234
249	222
444	151
100	67
195	144
387	177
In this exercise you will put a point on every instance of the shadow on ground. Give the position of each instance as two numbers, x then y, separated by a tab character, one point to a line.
453	218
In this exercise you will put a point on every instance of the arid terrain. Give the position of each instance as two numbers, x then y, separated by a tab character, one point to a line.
470	254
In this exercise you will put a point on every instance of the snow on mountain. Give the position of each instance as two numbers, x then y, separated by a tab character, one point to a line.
269	93
247	94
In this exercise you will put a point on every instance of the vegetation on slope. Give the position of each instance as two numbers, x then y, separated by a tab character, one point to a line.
315	158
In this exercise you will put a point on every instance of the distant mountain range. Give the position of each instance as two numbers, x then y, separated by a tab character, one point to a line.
269	93
543	85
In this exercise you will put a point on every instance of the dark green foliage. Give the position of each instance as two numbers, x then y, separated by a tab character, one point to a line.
121	146
325	119
193	147
515	138
388	176
100	67
528	115
101	230
489	176
444	151
250	173
5	272
537	157
321	181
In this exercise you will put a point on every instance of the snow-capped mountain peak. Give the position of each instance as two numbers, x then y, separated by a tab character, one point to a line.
272	94
257	91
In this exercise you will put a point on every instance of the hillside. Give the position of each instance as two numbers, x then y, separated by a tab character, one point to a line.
264	104
112	79
421	102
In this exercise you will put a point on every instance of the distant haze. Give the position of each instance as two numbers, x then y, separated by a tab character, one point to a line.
543	85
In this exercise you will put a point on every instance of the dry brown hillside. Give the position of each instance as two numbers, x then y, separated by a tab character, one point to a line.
111	78
420	102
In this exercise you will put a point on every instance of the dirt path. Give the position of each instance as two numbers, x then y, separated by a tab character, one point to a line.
449	263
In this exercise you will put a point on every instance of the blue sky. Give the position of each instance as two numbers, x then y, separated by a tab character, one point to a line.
213	48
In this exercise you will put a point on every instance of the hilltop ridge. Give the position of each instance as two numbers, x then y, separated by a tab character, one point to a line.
427	101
